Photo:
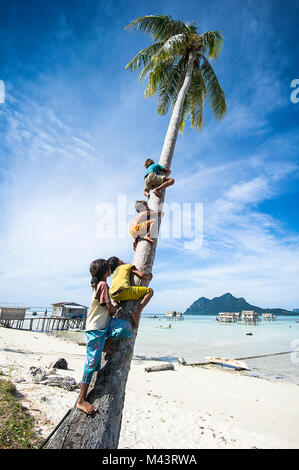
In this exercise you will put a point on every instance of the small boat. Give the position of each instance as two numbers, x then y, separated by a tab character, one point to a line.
233	363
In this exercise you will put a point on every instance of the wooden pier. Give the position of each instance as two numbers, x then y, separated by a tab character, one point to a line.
227	317
250	317
45	324
269	316
245	317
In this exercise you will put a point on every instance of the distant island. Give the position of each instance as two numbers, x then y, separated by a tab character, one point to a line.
295	310
229	303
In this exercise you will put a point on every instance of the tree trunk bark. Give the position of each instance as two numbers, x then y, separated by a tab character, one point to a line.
107	390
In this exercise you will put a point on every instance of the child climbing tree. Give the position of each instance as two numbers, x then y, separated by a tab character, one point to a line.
178	69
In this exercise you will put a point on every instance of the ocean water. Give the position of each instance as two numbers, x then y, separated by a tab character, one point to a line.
196	337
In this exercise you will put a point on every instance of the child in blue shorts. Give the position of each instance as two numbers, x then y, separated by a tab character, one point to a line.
101	329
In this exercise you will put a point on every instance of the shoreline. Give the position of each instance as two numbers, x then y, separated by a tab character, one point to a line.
190	407
270	363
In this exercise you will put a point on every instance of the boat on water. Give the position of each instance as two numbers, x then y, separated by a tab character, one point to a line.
173	315
226	362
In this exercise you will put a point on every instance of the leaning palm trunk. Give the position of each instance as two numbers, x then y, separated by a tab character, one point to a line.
101	431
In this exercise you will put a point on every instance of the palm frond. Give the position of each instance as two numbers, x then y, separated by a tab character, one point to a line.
157	79
167	54
146	70
212	43
143	57
168	93
214	91
170	50
160	27
197	94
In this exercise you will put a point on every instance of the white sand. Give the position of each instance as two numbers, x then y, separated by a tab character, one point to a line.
191	407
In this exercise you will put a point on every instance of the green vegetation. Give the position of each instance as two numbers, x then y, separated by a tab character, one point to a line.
177	47
16	425
228	303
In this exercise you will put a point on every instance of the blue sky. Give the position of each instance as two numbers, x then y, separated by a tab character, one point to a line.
75	128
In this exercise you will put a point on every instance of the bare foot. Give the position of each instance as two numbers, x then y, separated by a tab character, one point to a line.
134	318
88	408
157	193
149	239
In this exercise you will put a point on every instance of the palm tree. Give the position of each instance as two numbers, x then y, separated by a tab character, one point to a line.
181	74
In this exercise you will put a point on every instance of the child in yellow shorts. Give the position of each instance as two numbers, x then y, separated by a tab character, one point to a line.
122	290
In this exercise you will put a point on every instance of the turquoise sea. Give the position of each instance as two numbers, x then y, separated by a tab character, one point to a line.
196	337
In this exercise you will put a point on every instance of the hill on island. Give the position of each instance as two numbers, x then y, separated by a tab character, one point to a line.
228	303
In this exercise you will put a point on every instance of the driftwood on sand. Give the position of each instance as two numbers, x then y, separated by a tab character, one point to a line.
168	366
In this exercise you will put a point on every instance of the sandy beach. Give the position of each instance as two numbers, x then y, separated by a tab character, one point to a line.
190	407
